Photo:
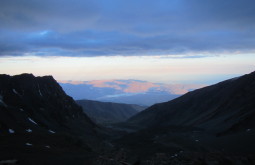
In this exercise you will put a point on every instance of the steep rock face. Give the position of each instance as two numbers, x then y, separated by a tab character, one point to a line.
107	112
40	99
37	117
220	107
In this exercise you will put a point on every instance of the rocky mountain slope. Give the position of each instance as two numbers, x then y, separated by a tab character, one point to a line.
107	112
38	122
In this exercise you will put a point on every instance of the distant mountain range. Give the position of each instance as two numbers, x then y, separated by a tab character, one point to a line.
126	91
107	112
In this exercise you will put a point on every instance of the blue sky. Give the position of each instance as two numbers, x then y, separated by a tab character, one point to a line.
193	34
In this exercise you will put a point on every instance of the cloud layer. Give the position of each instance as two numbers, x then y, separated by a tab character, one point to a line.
128	28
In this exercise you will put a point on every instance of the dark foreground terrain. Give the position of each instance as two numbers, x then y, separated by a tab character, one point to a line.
40	124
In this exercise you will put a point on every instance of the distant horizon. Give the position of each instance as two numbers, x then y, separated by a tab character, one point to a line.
208	70
219	78
209	81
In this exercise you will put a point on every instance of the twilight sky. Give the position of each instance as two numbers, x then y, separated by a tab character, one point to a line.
201	41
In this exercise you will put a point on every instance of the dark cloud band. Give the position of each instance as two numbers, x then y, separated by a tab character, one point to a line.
118	27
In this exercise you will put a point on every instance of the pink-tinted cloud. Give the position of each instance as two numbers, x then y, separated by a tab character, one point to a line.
138	87
179	89
135	86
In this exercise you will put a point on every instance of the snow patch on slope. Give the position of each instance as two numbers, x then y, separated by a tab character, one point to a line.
29	144
1	101
11	161
29	130
11	131
32	121
14	91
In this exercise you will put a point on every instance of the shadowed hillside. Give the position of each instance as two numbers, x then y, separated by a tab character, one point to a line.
106	112
212	124
225	106
38	121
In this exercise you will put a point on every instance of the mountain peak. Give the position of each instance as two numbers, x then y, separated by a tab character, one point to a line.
32	93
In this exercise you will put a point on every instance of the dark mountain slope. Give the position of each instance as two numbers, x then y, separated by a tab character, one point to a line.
107	112
212	125
38	121
220	107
